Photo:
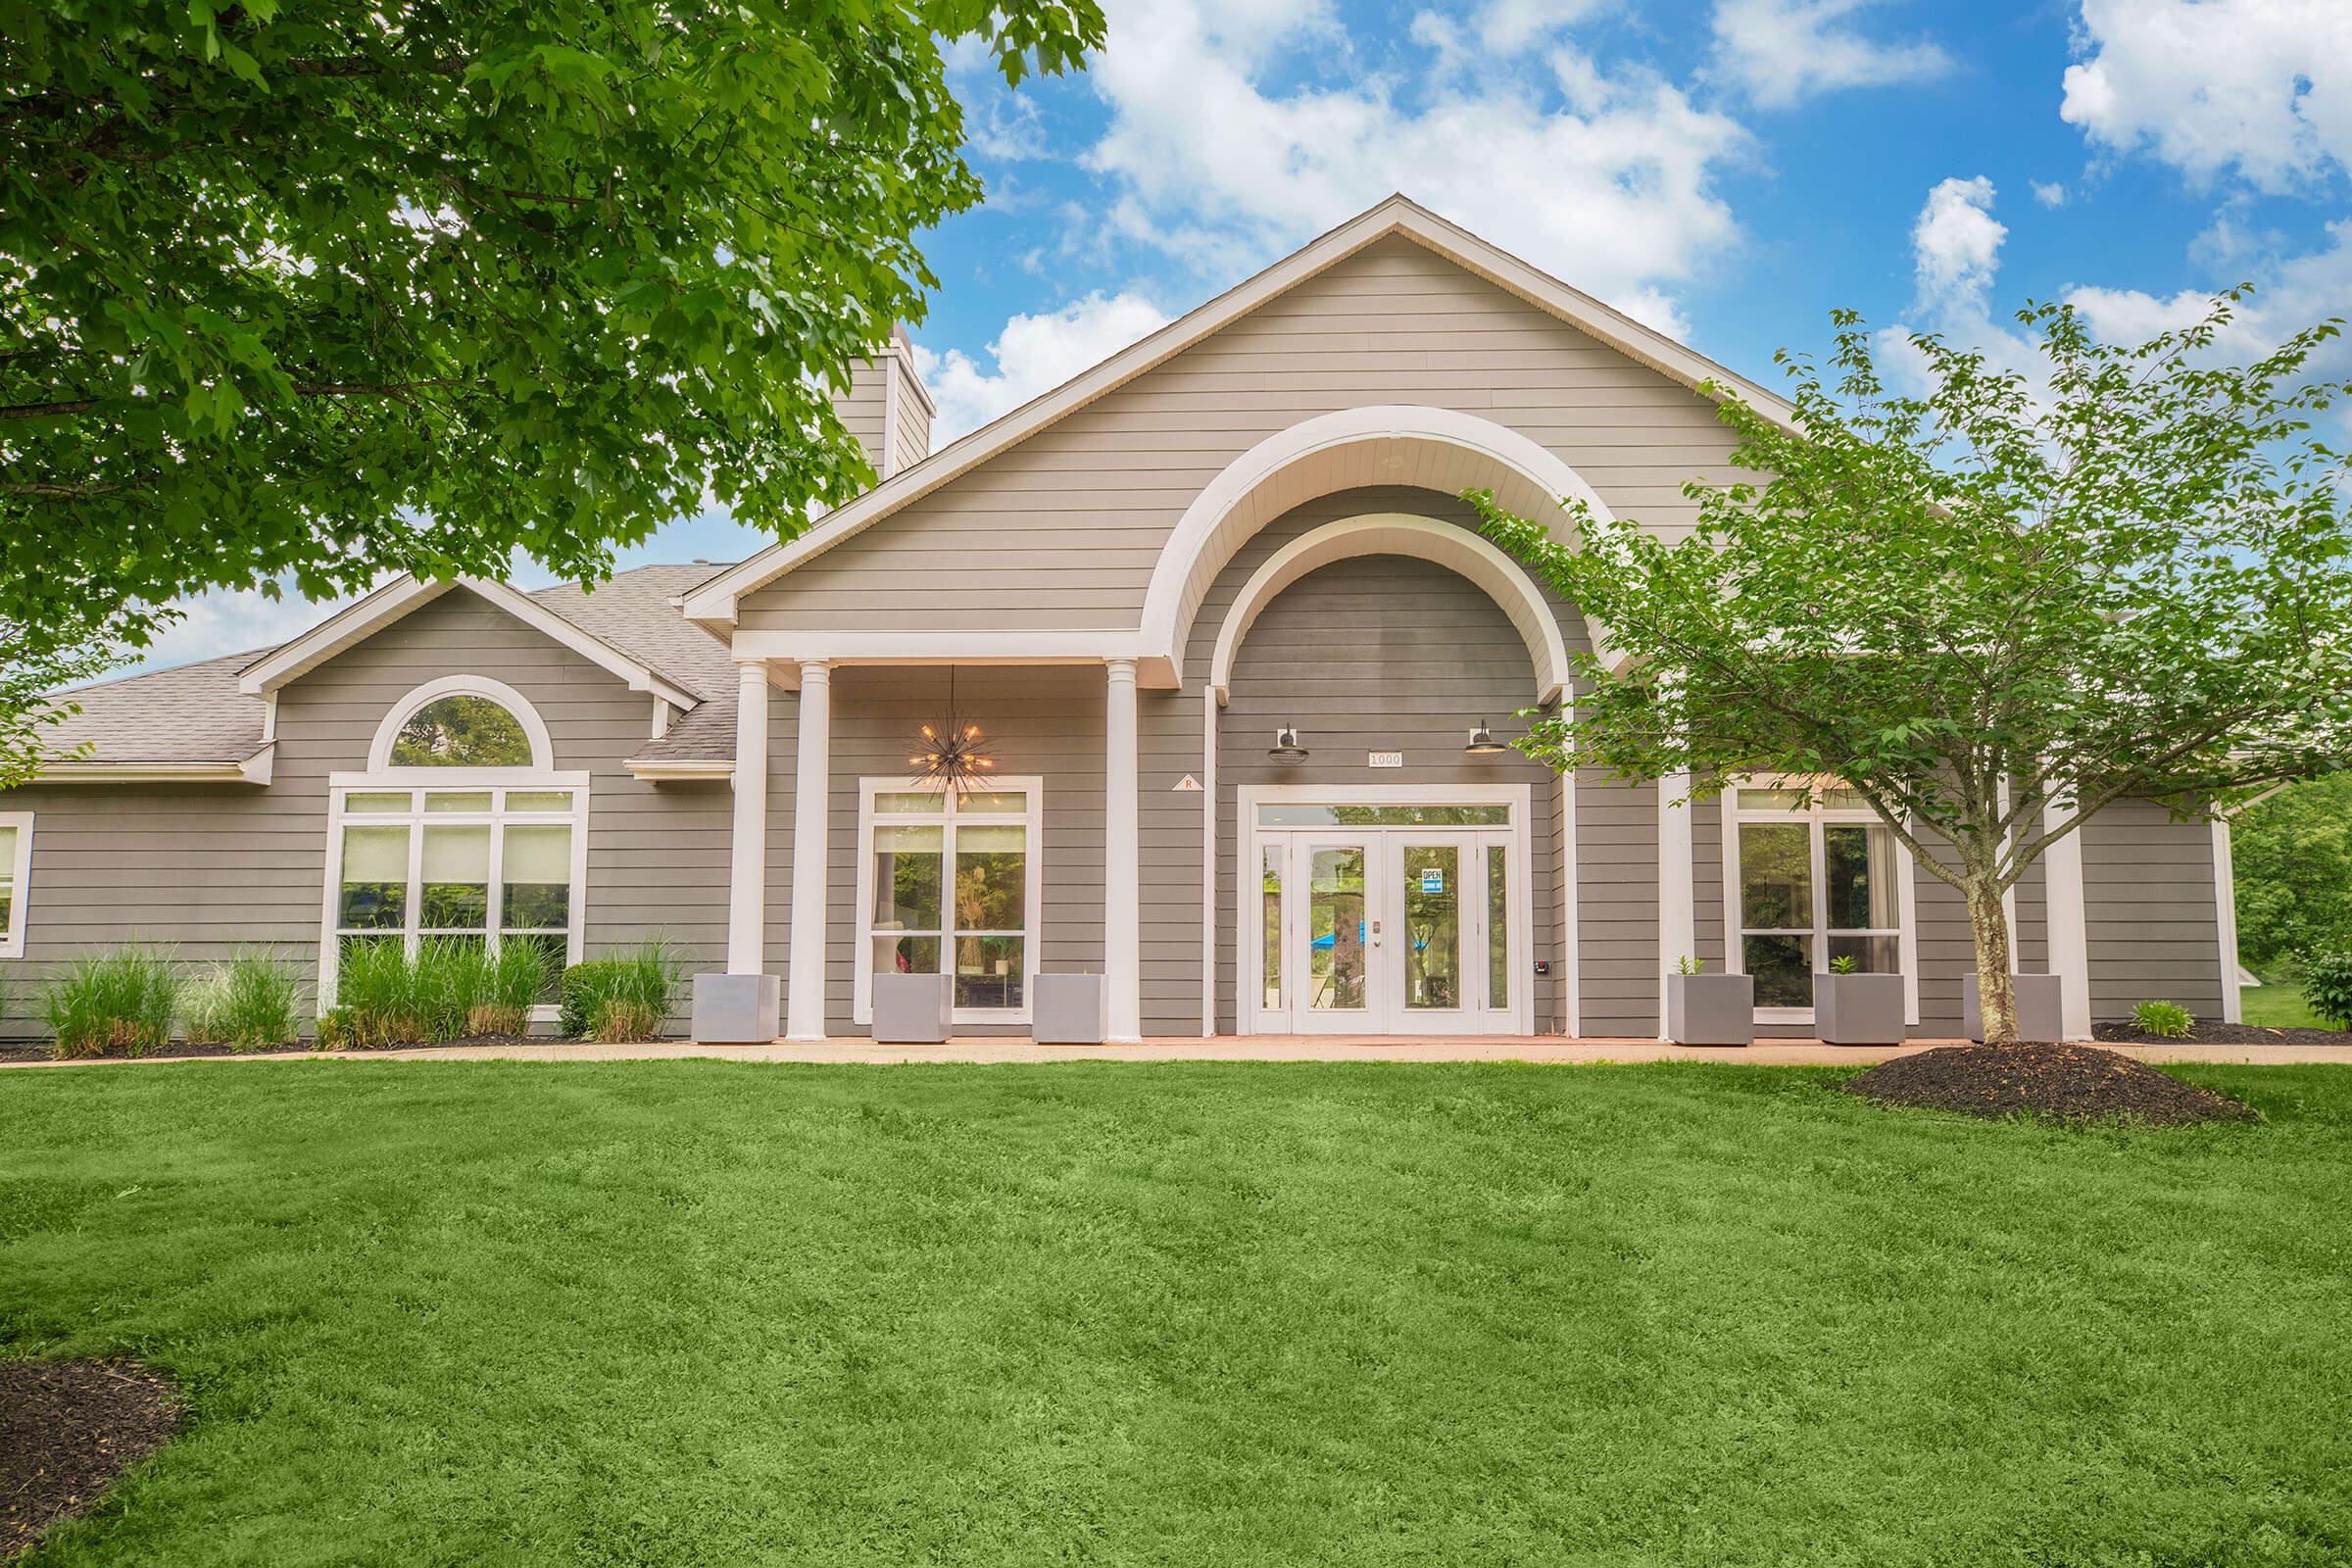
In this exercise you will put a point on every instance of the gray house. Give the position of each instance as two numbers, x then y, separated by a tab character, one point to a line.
1234	652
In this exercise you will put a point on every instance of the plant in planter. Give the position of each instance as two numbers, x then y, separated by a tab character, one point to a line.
1709	1009
1854	1008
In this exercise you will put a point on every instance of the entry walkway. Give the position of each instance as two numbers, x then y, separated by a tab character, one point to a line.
1537	1048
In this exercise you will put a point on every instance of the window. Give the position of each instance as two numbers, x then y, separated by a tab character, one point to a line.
460	830
493	866
1814	876
948	884
461	730
16	866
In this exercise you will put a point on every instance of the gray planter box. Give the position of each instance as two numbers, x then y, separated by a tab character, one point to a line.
911	1009
737	1008
1711	1009
2040	1009
1066	1009
1859	1010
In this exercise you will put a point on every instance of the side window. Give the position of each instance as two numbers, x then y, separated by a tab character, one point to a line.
16	865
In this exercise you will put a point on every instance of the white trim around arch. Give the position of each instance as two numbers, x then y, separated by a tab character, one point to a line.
1395	534
535	728
1220	517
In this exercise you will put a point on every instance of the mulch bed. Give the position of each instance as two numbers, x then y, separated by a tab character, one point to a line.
31	1051
2214	1032
2073	1083
68	1429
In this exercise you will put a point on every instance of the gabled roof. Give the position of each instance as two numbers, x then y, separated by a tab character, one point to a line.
403	595
714	602
202	720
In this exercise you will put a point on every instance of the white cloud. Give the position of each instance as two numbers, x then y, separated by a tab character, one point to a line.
2291	293
216	623
2049	192
1033	354
1782	52
1217	155
2261	86
1956	245
1496	28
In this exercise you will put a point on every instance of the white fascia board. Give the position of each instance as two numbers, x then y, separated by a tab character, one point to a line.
396	598
784	652
255	769
712	605
657	769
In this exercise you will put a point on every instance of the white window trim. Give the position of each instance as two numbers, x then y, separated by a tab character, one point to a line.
382	776
12	937
1906	892
535	728
862	1004
1251	1015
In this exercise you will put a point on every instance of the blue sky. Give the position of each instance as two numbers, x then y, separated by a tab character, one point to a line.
1729	169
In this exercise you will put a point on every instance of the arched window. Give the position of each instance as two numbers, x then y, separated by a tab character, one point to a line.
462	721
461	830
461	730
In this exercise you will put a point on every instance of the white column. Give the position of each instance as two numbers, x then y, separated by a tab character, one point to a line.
1677	914
2225	913
2070	937
1122	861
747	867
804	976
1208	863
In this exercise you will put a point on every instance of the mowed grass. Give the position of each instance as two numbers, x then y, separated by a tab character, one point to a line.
698	1312
2280	1006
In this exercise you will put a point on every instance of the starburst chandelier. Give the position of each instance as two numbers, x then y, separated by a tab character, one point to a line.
952	752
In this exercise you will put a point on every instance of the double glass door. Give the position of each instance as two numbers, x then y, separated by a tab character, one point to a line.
1389	931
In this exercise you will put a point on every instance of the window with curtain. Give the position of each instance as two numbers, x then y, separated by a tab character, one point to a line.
1817	881
949	886
487	865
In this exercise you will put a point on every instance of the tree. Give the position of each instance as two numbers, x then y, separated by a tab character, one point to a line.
2294	855
314	293
1994	608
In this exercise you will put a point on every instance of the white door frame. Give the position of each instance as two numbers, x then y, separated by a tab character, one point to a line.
1251	1017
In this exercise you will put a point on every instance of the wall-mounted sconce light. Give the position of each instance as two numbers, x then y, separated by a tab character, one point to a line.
1286	746
1483	742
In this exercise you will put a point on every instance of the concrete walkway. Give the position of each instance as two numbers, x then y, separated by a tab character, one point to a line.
1541	1048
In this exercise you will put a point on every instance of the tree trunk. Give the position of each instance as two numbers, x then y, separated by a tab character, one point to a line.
1996	994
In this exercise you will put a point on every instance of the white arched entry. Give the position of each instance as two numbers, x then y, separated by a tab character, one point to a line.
1387	444
1393	444
1394	533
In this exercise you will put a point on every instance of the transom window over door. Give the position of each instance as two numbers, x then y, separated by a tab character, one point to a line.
1812	877
948	883
459	831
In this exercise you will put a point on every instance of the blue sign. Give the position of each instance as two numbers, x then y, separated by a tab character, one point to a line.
1433	880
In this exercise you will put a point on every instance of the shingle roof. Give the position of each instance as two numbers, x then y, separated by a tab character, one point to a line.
195	713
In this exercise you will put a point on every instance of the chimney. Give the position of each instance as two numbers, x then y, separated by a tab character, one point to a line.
908	407
887	409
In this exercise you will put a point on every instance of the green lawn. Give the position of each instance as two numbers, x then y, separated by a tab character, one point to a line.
2280	1007
697	1313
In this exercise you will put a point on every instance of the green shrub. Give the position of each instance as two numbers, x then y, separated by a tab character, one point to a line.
376	994
2327	986
510	984
120	1001
246	1003
626	997
451	987
2162	1020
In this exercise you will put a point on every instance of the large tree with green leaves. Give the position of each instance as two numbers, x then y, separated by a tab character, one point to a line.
2293	854
312	292
1994	608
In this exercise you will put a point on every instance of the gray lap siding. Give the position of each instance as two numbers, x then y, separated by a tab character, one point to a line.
213	869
